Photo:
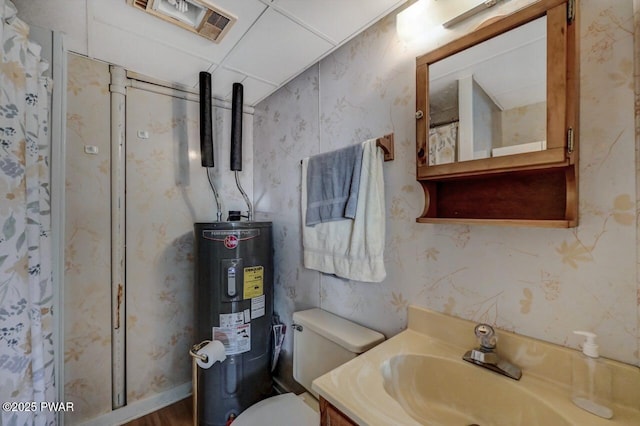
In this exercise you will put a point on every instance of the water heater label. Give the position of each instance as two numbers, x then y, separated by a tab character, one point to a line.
257	307
231	238
236	339
231	320
253	282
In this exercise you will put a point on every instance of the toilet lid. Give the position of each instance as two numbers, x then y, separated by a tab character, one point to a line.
282	410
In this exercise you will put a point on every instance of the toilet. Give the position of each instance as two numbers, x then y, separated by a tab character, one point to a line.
321	342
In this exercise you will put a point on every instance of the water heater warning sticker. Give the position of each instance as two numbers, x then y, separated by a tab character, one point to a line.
231	320
253	282
236	340
257	307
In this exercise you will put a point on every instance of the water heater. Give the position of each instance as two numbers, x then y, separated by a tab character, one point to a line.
234	304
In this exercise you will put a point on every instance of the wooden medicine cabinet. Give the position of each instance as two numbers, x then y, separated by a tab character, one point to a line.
497	121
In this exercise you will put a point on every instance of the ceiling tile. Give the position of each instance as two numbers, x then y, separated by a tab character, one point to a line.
337	19
222	81
68	16
145	56
276	48
120	14
256	90
271	42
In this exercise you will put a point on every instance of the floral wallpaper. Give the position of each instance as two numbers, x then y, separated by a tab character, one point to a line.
167	191
542	283
87	274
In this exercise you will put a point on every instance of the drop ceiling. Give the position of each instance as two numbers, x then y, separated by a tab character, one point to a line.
272	41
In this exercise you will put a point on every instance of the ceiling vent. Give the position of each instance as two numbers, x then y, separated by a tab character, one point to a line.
197	16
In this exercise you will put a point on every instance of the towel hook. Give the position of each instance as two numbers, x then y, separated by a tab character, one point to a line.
386	143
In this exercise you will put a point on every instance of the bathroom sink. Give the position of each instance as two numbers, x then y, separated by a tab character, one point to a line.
418	377
444	391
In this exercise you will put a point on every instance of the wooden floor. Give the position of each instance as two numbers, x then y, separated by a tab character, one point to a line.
178	414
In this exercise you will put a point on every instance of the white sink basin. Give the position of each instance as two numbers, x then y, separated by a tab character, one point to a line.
443	391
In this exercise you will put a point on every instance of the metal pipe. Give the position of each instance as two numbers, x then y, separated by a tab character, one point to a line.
236	141
206	135
194	375
216	196
194	394
246	199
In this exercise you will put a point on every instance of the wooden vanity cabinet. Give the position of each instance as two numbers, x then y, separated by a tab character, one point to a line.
331	416
537	188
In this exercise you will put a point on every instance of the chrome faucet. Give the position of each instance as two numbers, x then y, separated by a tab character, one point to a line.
484	355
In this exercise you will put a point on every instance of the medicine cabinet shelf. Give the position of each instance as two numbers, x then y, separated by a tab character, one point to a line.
540	197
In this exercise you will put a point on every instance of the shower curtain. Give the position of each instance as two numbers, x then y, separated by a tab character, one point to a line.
26	290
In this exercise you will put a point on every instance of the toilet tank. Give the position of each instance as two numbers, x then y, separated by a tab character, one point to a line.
323	341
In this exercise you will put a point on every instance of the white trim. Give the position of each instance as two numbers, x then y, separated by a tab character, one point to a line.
140	408
118	90
58	200
54	52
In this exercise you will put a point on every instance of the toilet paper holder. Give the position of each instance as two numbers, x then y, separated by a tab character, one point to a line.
204	358
195	357
195	348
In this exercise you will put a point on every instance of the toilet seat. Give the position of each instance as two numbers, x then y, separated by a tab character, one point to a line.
281	410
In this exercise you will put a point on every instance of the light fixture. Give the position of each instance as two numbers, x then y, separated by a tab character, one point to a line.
410	23
471	12
425	18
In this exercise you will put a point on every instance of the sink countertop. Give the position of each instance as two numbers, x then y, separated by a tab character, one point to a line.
356	388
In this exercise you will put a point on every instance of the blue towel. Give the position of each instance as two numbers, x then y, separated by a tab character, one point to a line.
333	180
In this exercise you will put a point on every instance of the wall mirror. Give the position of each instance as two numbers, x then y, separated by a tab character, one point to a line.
497	121
500	91
490	99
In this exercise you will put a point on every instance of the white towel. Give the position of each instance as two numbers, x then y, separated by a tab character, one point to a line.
351	249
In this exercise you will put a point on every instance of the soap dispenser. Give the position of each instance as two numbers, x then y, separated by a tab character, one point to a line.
591	379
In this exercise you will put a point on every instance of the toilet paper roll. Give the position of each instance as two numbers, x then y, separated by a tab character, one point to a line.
214	351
